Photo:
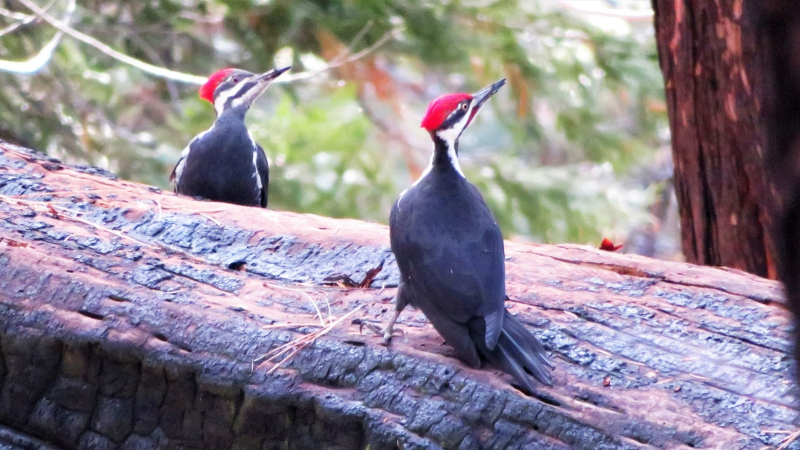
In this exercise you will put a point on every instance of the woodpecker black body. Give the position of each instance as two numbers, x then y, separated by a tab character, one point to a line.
224	163
449	249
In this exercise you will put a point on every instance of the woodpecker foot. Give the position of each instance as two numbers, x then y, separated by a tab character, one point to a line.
375	328
388	333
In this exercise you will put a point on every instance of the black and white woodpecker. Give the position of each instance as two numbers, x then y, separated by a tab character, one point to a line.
450	253
224	163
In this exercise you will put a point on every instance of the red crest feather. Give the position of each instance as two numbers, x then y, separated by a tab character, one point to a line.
207	90
440	108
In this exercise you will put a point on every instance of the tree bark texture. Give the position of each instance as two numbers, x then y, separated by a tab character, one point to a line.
123	324
713	71
779	35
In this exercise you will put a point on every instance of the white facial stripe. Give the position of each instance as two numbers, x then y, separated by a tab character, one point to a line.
451	135
249	96
219	102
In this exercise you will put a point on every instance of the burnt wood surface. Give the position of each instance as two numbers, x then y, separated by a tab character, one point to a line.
715	75
123	325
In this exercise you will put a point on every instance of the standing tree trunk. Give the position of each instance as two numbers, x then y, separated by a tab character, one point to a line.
779	33
713	74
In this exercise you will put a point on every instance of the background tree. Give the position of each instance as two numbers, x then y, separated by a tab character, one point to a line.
714	72
569	152
778	32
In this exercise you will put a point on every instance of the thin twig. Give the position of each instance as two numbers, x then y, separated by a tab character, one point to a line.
45	54
319	313
32	203
357	38
158	217
181	76
43	206
289	325
211	219
100	227
86	39
633	16
65	192
158	205
699	377
354	57
24	19
383	286
328	302
788	440
16	15
298	344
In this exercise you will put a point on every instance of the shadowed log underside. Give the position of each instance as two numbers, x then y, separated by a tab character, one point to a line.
123	326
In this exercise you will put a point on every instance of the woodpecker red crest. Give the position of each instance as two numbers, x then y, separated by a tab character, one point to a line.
441	108
207	90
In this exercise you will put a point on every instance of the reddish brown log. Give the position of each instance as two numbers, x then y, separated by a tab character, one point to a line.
121	326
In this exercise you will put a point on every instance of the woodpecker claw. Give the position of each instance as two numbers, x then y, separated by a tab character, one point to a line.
387	332
375	328
387	335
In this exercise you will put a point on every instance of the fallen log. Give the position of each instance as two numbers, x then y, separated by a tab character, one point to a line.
133	318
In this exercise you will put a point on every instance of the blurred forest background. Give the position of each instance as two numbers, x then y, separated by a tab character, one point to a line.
576	148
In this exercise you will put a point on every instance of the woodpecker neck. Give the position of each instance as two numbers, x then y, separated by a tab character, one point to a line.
445	153
236	112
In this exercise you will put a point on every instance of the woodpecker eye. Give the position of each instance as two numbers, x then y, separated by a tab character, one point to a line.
235	80
464	106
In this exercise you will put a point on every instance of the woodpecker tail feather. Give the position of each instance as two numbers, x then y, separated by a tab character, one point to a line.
518	353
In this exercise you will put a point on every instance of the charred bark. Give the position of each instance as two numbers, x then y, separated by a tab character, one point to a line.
122	326
714	70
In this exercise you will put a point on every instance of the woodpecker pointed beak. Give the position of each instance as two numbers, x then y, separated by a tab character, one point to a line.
272	74
480	97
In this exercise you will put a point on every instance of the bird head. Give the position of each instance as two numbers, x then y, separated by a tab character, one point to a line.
232	88
449	115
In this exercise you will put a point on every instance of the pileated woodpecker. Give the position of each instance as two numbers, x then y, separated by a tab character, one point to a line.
450	253
224	163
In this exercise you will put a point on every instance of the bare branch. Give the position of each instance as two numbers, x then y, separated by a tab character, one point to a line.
86	39
15	15
629	15
24	19
181	76
334	64
45	54
360	35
